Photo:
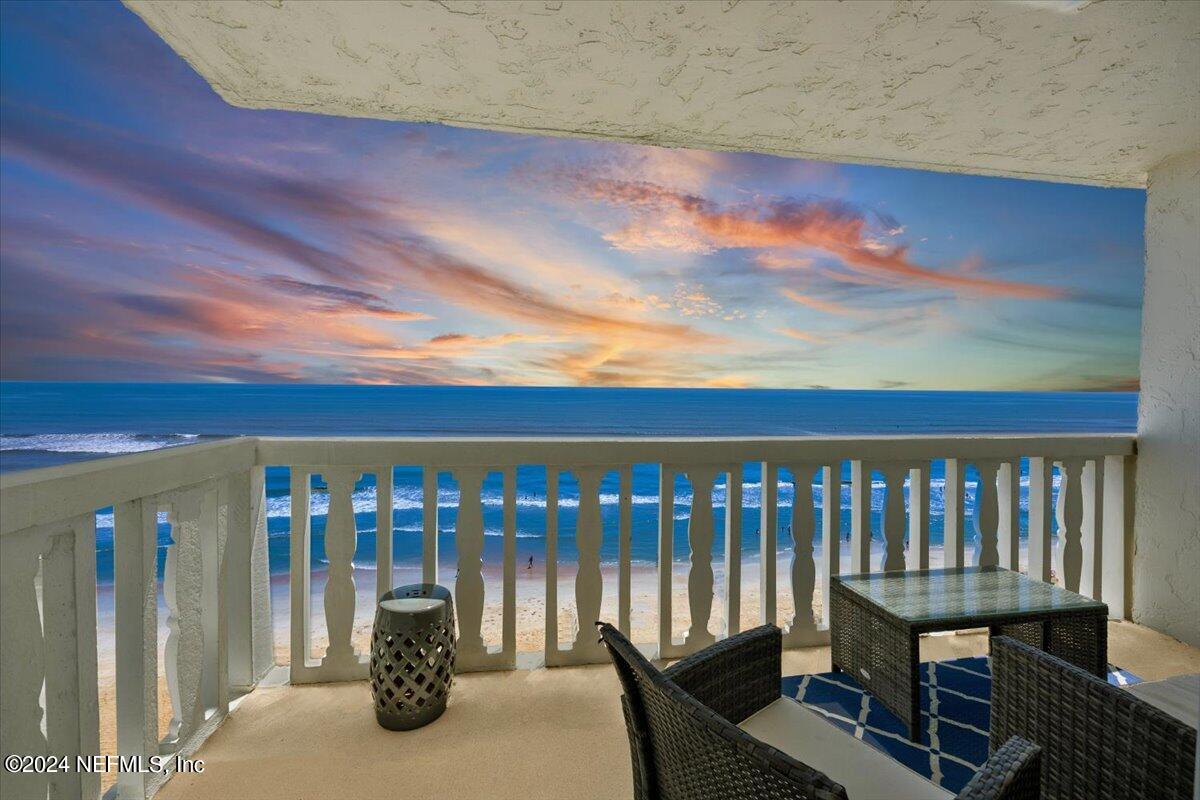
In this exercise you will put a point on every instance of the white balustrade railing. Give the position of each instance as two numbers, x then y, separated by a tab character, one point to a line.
216	588
49	683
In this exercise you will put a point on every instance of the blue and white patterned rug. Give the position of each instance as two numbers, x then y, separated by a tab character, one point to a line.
955	715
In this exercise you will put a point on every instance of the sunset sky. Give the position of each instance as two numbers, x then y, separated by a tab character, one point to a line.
150	232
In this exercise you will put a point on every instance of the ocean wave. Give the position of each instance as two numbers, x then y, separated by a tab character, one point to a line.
94	442
448	529
408	499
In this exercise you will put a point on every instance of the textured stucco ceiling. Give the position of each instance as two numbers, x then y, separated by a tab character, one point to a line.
1090	92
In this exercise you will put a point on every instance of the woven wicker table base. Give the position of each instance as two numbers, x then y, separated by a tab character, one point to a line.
876	621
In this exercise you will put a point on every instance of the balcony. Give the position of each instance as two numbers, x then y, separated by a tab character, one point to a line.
540	734
187	641
528	710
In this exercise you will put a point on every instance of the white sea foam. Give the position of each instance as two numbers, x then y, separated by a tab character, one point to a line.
410	499
95	442
406	498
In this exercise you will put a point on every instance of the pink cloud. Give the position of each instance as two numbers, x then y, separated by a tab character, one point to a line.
826	306
795	333
663	218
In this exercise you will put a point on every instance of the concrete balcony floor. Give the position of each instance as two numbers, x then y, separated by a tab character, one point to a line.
523	734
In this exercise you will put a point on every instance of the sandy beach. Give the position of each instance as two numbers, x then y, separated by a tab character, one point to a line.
531	602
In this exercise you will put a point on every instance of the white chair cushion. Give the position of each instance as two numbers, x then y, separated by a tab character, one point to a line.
866	773
1178	696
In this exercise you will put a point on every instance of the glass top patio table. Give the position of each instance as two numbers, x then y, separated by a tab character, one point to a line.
943	595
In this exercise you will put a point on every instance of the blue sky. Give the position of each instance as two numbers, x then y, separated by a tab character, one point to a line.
152	232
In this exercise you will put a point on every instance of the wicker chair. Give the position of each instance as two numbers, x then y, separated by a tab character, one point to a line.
685	741
1097	740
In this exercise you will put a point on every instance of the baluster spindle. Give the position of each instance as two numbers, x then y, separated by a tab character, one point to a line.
69	631
1091	581
135	602
171	645
261	615
551	643
1014	512
666	554
589	583
700	571
1117	487
733	550
302	666
246	598
894	521
23	665
1041	471
340	536
768	543
214	677
987	515
860	517
383	531
918	516
238	597
624	547
508	645
1070	521
468	586
1008	521
831	532
953	520
429	524
182	588
802	628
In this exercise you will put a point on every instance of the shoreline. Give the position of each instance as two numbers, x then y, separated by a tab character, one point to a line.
531	598
530	585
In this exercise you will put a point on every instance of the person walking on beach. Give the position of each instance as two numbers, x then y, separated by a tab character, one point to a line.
529	566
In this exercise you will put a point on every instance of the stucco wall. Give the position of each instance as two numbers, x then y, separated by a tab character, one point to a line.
1166	580
1085	92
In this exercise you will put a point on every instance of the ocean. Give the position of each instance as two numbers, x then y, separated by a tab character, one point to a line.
43	424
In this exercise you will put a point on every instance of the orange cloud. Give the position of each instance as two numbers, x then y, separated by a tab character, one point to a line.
772	260
799	334
619	365
245	311
454	345
667	219
473	287
826	306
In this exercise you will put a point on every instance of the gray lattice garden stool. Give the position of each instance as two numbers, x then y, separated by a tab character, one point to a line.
412	655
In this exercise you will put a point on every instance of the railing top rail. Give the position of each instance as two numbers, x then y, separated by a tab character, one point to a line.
47	495
601	450
50	494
